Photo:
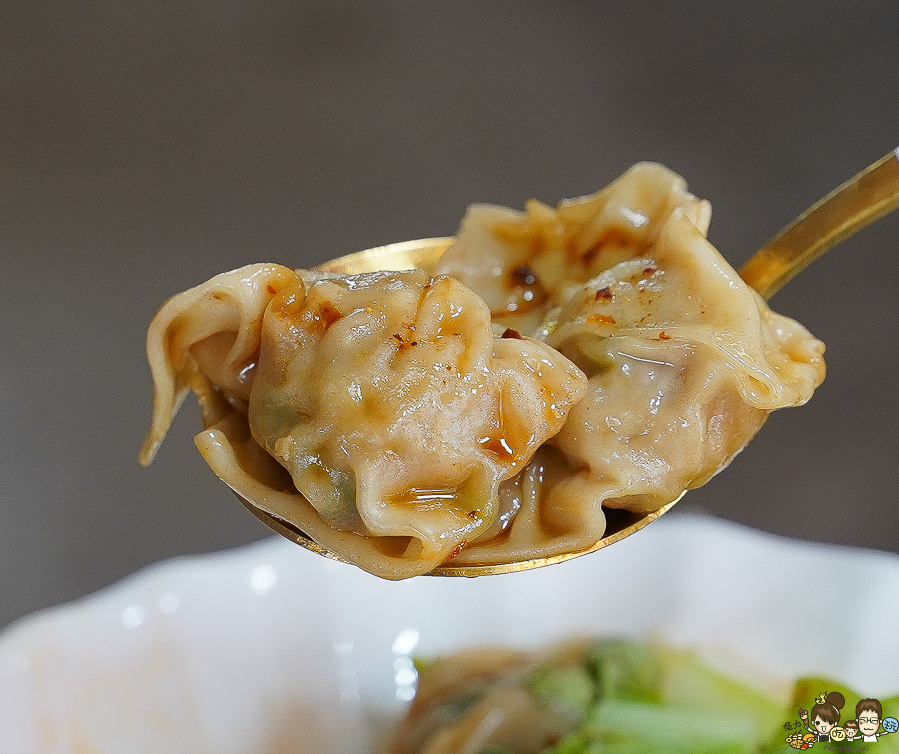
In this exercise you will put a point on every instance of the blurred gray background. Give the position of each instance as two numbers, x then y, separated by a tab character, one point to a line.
145	147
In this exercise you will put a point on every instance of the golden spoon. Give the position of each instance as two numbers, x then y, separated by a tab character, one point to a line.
856	204
846	210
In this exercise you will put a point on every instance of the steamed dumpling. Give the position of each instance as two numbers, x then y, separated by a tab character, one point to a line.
385	397
396	410
685	362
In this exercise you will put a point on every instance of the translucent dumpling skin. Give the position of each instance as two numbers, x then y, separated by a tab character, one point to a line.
396	410
684	360
556	363
385	397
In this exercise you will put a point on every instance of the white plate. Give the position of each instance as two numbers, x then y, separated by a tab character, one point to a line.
272	650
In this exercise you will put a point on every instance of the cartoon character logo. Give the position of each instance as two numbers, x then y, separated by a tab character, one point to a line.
869	713
825	716
823	722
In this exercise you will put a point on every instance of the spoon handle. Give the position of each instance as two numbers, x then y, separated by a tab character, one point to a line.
856	204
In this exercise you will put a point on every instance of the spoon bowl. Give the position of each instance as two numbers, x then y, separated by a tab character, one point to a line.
854	205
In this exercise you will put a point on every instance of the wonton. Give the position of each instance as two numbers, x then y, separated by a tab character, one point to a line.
385	396
403	421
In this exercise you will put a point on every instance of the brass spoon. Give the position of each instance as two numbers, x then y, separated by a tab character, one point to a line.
856	204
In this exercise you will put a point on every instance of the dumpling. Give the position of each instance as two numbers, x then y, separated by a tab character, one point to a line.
379	409
525	263
685	362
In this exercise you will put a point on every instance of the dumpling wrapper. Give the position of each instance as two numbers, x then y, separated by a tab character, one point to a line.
378	411
685	363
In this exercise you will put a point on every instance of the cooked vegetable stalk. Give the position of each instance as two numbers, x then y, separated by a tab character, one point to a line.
604	697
